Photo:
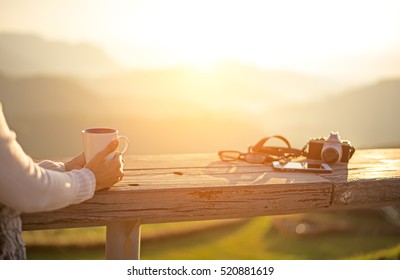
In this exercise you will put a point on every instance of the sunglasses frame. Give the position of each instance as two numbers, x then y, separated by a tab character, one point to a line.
243	157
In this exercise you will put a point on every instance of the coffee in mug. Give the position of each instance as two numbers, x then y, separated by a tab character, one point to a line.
96	139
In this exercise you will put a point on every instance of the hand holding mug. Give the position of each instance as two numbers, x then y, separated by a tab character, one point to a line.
96	139
102	156
107	171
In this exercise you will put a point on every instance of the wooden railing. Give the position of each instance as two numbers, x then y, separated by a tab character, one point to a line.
193	187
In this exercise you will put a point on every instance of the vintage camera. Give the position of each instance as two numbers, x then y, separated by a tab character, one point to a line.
330	150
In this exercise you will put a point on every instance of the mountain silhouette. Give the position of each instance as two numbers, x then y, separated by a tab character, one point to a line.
224	85
43	95
48	114
368	116
26	54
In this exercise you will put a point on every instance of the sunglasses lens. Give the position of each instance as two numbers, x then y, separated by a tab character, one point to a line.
229	155
255	158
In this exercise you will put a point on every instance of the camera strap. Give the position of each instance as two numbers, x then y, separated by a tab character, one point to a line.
286	152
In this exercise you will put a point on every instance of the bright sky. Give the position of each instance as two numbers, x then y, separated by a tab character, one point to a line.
326	37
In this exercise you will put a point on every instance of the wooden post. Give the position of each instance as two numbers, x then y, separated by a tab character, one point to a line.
123	241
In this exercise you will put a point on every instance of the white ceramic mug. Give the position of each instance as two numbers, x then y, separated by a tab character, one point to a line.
96	139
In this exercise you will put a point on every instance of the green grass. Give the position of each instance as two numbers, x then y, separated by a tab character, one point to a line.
254	240
385	254
242	239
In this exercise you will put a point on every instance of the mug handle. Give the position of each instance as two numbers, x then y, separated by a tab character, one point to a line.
126	144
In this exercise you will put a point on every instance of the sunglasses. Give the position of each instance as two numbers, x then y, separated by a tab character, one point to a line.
248	157
259	153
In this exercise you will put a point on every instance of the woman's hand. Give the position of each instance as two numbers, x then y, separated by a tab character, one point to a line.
77	162
107	172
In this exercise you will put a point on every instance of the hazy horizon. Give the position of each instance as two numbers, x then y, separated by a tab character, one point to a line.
349	41
199	76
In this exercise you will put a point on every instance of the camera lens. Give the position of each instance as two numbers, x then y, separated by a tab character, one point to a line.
330	155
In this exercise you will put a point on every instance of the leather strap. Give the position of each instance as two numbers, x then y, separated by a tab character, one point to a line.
275	151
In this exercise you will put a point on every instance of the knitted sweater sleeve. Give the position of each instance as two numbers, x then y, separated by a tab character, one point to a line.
27	187
52	165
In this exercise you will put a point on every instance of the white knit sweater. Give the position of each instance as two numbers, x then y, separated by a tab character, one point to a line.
29	187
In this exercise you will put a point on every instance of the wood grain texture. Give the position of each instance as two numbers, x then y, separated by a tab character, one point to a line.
189	187
371	179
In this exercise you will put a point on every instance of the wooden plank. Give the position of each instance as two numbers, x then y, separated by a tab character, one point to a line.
195	195
186	205
366	194
164	188
230	175
180	161
371	179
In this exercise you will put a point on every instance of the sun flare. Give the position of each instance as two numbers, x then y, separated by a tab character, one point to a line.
300	35
311	36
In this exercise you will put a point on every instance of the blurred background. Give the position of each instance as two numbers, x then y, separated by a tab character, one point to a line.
199	76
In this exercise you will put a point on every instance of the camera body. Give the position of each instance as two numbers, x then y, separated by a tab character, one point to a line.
330	150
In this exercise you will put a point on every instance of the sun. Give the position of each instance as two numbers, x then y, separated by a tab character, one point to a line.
304	35
266	33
